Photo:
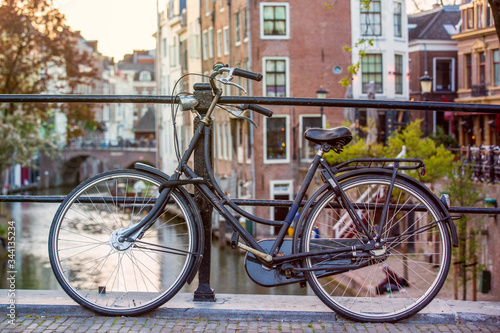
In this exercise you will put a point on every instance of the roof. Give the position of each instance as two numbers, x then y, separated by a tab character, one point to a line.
437	24
147	123
138	68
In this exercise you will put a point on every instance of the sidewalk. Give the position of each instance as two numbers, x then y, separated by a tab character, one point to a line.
54	310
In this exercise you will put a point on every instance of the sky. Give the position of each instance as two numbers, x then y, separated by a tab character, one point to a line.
122	26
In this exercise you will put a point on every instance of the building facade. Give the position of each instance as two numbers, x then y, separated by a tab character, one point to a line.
479	73
379	37
432	51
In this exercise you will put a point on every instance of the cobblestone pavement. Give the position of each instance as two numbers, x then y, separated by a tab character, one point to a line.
144	324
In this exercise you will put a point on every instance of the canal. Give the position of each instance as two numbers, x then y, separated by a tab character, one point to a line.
33	220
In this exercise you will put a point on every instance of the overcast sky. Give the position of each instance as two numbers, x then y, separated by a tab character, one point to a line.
122	26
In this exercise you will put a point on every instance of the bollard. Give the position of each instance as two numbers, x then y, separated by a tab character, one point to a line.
204	293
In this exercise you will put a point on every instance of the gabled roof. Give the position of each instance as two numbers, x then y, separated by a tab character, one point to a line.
147	123
436	24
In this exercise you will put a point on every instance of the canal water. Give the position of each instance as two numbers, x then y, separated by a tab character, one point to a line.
33	220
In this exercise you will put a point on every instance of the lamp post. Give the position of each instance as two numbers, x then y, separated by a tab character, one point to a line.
425	87
321	93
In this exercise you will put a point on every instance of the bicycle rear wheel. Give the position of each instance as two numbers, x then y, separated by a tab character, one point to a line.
110	276
404	276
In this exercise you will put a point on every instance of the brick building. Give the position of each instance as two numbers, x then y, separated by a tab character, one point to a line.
433	51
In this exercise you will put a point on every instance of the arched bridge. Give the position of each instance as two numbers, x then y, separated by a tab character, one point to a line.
73	165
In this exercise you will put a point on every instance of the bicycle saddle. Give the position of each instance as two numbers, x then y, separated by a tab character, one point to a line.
336	137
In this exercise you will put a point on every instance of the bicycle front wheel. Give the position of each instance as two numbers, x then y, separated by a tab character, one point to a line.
111	276
404	275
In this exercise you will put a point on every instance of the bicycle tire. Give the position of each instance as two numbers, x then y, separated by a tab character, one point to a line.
332	227
113	278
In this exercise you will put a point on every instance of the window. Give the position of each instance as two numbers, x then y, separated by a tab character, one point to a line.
205	45
482	67
308	149
219	43
371	72
488	15
371	19
164	46
226	40
276	77
470	18
244	19
496	67
237	29
398	30
398	74
173	53
145	76
468	70
444	75
479	12
194	37
276	140
274	20
280	190
211	42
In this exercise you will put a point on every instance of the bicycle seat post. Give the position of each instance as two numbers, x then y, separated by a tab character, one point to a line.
204	293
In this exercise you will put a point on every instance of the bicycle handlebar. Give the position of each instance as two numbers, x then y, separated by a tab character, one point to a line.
259	109
247	74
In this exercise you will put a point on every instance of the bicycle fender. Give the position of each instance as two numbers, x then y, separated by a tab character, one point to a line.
197	217
449	221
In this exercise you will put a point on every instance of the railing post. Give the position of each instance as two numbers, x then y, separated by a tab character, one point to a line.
203	93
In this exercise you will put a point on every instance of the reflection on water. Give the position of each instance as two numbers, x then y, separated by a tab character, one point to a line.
33	221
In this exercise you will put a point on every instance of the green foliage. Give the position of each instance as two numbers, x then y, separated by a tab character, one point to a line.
440	137
437	159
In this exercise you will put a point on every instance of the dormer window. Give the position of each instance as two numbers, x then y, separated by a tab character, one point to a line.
145	76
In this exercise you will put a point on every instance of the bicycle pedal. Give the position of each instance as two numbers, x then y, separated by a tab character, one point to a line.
234	240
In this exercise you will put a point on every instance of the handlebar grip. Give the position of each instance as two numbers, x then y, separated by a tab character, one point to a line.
247	74
260	109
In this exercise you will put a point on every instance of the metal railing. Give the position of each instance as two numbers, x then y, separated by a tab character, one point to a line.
313	102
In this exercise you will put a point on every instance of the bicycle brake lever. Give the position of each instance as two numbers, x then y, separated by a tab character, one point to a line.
227	80
238	115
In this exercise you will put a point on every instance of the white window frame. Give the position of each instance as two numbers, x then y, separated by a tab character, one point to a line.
452	73
219	43
205	44
211	43
287	24
287	64
287	140
225	37
401	22
237	29
272	193
301	134
403	69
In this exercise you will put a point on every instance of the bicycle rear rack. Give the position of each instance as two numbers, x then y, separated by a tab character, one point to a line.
382	163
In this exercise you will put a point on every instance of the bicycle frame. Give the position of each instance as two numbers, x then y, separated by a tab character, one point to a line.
218	199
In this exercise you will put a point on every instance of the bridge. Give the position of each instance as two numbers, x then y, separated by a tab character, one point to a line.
71	166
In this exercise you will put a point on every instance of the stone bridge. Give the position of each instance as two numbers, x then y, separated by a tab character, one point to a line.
73	165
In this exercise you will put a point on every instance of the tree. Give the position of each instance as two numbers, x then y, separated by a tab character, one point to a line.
437	159
38	54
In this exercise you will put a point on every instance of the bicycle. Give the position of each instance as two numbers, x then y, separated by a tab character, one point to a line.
126	241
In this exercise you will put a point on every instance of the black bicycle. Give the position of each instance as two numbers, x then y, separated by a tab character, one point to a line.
373	243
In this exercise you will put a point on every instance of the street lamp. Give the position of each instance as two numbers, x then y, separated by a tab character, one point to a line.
321	93
425	87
